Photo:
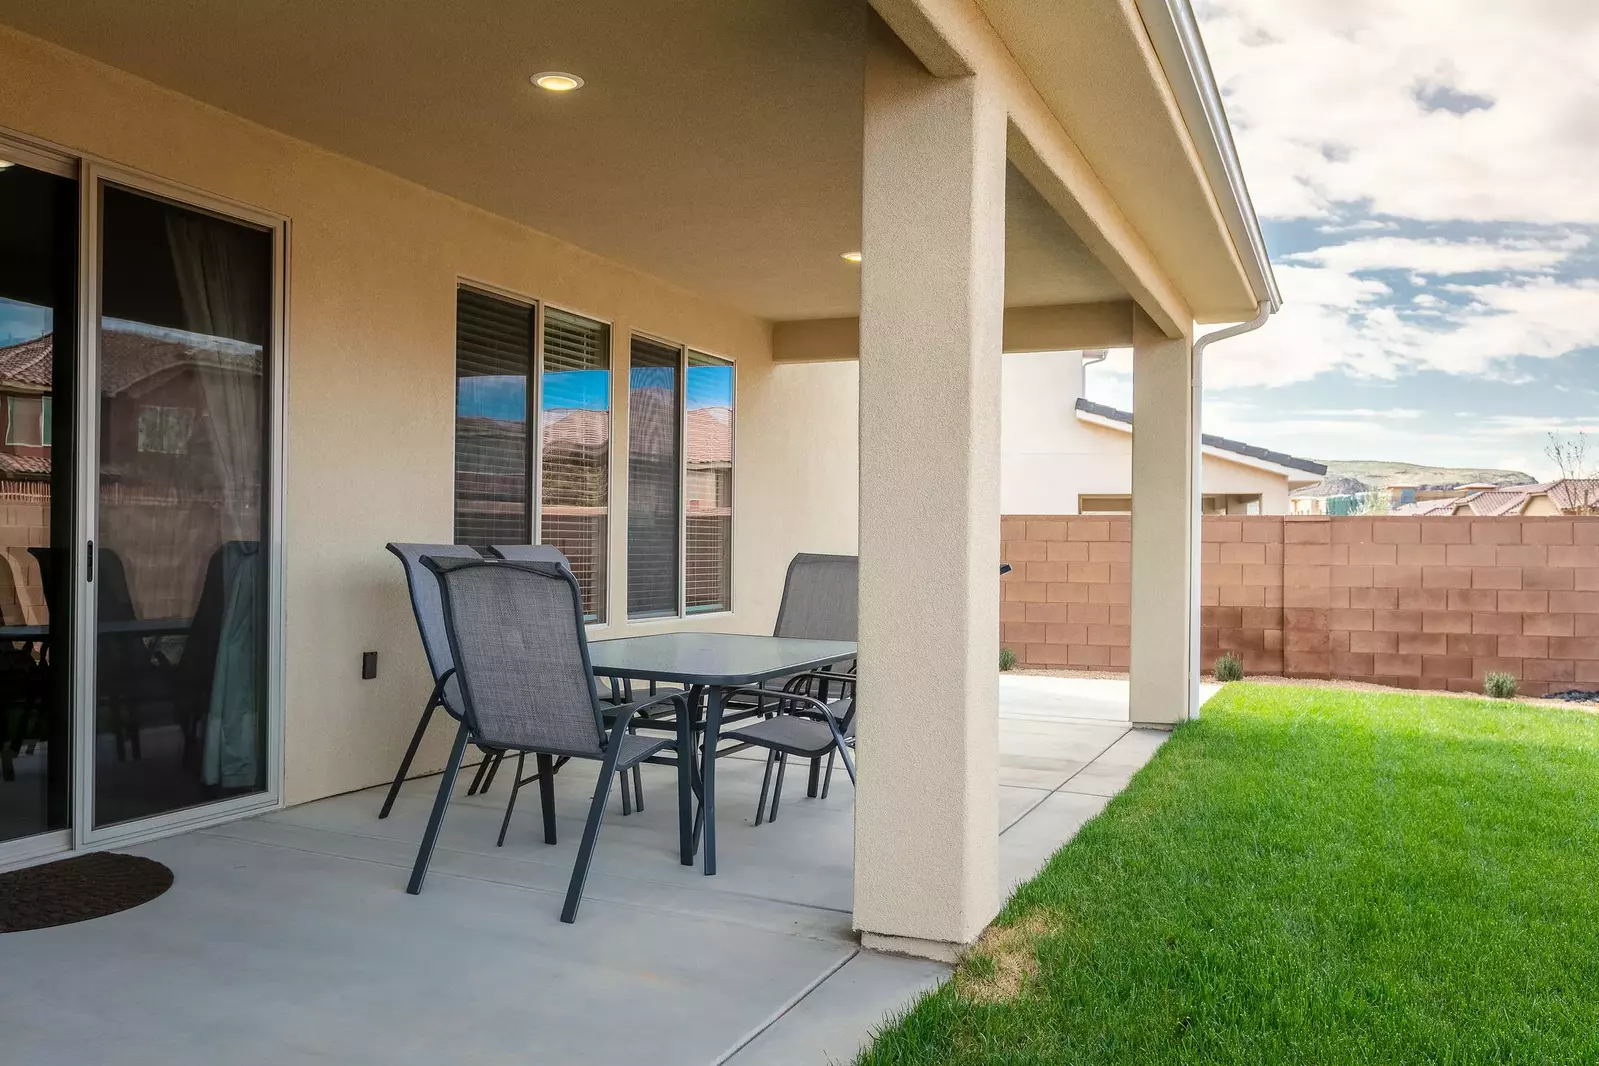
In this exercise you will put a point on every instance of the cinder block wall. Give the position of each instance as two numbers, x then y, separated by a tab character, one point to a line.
1411	602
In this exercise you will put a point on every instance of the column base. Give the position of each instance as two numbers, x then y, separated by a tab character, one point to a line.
914	947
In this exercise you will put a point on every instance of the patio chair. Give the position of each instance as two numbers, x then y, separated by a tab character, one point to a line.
620	692
430	624
521	659
803	726
820	602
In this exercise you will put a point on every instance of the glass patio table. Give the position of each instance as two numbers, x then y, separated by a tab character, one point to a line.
707	665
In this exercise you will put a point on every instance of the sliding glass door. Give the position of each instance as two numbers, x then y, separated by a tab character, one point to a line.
38	326
184	332
140	429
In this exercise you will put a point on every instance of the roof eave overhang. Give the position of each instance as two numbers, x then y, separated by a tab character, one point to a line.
1174	33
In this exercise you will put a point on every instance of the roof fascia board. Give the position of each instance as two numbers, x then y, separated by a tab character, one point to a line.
1179	48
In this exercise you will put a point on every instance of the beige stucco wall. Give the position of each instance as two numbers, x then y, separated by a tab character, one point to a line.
1049	457
375	264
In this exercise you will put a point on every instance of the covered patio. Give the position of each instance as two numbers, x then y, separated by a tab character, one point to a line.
285	938
480	311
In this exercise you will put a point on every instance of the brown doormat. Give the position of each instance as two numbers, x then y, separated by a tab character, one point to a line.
77	889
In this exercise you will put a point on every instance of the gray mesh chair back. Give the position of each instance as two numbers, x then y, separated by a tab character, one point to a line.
517	640
427	606
820	598
530	553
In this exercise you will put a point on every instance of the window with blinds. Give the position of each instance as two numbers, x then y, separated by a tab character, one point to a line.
493	361
708	506
654	472
575	426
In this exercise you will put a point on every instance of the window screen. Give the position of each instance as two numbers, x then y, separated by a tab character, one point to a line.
708	440
493	357
654	466
575	423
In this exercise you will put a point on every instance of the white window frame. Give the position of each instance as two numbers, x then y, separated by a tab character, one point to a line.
535	410
683	351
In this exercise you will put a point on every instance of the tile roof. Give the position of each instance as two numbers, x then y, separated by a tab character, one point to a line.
129	357
28	363
1220	443
25	467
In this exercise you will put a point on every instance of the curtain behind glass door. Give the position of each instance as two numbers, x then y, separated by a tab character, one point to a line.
38	284
180	567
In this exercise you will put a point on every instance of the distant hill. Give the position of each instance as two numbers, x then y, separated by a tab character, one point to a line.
1379	474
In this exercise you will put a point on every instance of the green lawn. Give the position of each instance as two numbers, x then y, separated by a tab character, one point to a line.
1307	877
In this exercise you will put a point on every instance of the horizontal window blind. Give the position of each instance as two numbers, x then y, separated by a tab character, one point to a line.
575	424
654	468
708	443
493	359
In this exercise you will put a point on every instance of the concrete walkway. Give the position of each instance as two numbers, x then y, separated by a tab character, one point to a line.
288	939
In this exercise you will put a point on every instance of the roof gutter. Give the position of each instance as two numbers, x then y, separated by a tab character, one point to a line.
1174	32
1237	330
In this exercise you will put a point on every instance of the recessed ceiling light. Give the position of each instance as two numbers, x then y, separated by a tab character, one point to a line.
4	164
852	257
557	81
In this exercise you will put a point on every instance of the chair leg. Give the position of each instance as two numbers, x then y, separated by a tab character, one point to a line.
516	786
638	783
627	795
494	768
441	803
591	832
405	763
482	768
777	794
815	779
827	781
546	767
766	783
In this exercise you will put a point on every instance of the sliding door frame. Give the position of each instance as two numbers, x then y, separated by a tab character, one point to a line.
93	177
24	850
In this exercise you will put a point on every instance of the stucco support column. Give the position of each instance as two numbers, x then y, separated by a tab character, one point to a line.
932	296
1166	487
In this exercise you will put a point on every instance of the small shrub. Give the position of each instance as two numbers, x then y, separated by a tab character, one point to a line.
1229	668
1007	659
1499	685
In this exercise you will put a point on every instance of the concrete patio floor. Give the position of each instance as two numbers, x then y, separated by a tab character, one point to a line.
288	939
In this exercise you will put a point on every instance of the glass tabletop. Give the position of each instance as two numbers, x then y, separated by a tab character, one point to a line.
722	659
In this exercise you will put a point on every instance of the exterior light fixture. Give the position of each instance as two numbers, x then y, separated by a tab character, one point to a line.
851	257
557	81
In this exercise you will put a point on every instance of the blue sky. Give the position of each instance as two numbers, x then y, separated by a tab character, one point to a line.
505	397
1427	175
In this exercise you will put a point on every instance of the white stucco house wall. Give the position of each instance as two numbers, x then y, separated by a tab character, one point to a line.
1061	453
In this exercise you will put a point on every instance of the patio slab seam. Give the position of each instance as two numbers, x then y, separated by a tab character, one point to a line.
1062	786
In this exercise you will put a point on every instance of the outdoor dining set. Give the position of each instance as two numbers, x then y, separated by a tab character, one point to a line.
506	643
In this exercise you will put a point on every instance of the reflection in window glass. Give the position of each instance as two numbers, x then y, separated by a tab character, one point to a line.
653	479
180	662
575	423
493	358
708	436
38	241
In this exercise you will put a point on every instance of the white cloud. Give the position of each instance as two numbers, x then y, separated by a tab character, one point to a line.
1334	321
1423	109
1440	257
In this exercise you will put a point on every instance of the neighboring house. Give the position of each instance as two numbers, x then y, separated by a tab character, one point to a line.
1061	453
1568	496
1338	494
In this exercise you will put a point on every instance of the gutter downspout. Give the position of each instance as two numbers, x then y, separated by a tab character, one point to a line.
1195	398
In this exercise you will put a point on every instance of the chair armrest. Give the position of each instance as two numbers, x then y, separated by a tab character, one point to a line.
631	709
